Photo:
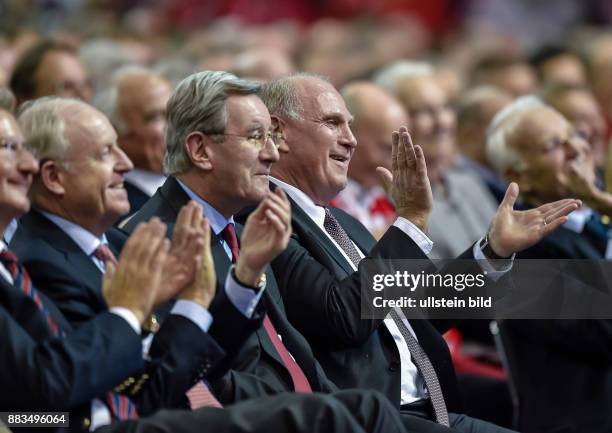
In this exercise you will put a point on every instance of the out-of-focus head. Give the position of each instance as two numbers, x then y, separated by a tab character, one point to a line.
17	168
218	139
433	122
579	105
512	74
7	100
262	64
475	111
136	105
82	167
556	64
598	55
50	68
534	145
316	142
376	115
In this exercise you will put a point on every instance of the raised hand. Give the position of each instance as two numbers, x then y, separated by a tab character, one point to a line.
203	285
265	235
187	243
136	281
512	231
408	183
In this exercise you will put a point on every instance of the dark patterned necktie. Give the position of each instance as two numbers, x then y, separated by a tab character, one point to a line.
120	407
300	382
419	357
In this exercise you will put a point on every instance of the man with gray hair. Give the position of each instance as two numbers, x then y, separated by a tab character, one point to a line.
135	103
219	152
319	272
560	385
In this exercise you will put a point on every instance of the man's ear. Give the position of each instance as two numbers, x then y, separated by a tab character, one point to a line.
199	150
279	128
51	177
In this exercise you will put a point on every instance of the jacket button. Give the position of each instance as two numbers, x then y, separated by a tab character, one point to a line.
86	423
394	366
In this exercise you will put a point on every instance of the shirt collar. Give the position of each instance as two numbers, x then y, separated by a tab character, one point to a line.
316	213
577	219
2	246
216	220
146	181
88	242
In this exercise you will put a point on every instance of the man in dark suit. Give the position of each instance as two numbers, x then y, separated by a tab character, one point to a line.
318	275
564	367
135	103
71	369
220	155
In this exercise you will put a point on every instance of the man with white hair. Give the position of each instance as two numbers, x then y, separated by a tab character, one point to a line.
135	103
320	275
564	378
462	202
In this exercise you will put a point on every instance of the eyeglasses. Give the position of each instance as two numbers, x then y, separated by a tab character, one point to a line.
259	140
11	148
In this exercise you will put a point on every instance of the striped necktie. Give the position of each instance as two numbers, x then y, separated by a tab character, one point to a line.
120	407
419	357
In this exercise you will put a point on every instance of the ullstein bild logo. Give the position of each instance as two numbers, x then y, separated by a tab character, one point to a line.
464	289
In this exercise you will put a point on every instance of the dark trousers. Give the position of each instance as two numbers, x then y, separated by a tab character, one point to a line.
345	411
459	423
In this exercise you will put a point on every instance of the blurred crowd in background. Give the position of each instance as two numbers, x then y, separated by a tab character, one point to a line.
443	67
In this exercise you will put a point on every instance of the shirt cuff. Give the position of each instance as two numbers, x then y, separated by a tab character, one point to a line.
194	312
495	269
244	299
415	233
129	317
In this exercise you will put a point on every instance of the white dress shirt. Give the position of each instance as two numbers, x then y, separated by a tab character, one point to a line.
144	180
578	219
412	386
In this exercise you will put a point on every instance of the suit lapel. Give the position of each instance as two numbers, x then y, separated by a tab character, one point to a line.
312	232
42	227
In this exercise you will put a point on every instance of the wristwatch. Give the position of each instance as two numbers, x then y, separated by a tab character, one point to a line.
261	282
488	252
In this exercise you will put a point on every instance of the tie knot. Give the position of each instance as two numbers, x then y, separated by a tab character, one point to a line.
229	235
104	254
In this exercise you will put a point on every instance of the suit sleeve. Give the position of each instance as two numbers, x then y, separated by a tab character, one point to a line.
62	373
181	354
324	308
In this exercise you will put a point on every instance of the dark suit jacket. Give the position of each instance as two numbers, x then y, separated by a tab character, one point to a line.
322	296
136	196
257	369
563	368
60	269
42	372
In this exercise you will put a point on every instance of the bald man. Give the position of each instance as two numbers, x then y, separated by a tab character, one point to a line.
376	115
136	105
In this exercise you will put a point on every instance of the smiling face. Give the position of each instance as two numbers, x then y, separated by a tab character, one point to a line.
318	147
239	167
92	180
17	167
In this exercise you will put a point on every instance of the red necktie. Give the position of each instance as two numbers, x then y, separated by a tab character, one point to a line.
104	254
120	406
300	382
